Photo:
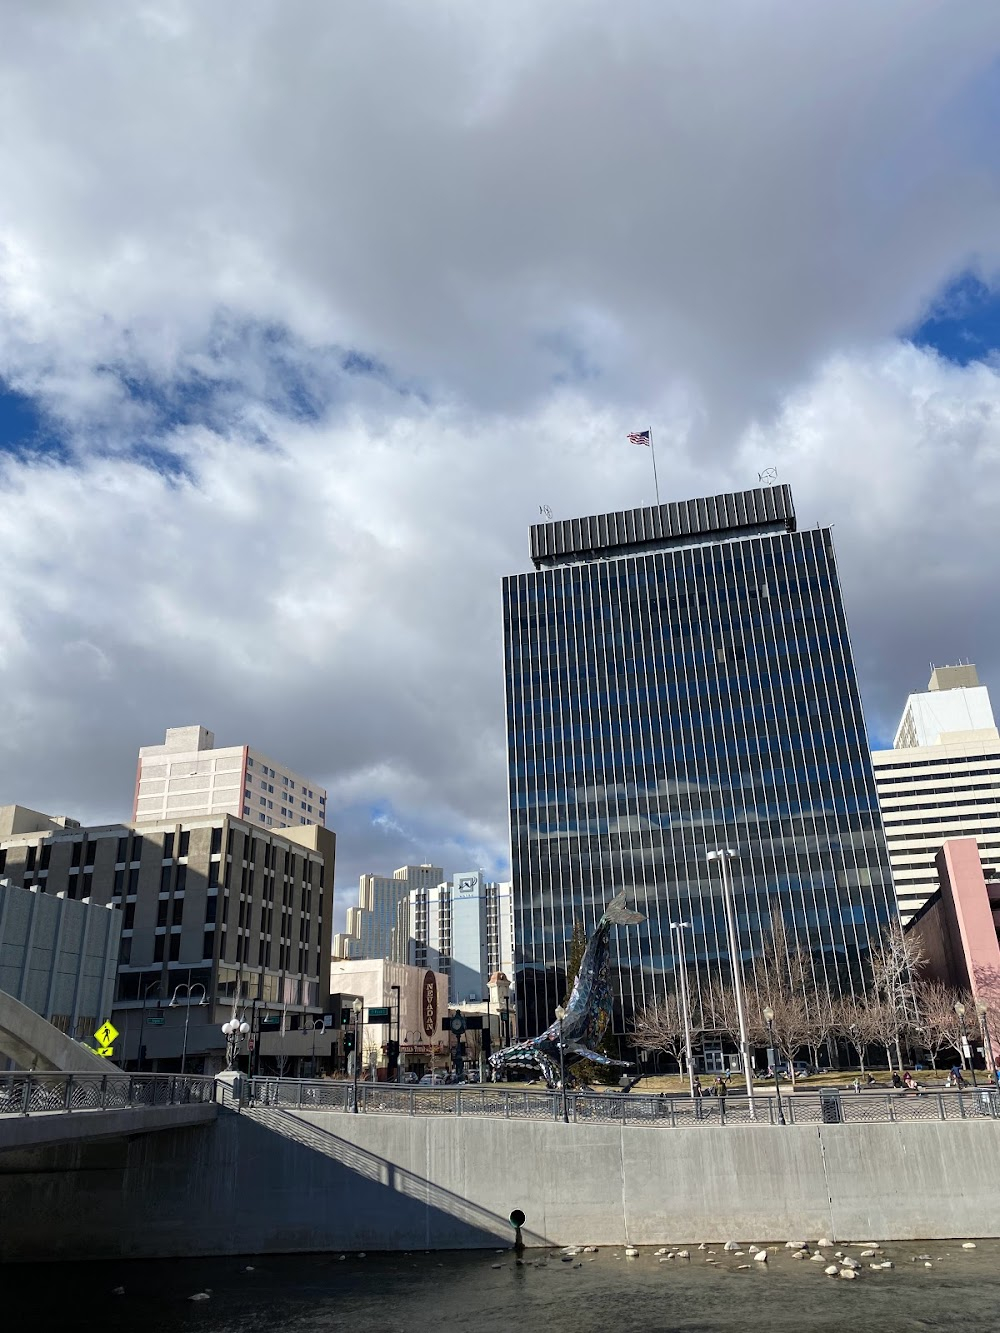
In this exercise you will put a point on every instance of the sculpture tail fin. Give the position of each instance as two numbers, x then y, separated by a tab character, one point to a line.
619	915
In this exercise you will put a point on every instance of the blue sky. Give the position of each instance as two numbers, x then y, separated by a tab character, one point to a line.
963	323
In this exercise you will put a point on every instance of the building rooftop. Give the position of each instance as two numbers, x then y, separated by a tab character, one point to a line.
765	509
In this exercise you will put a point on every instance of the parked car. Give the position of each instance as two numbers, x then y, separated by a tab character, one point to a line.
410	1078
434	1080
802	1069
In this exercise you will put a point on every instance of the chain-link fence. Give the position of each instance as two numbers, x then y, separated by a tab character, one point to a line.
512	1103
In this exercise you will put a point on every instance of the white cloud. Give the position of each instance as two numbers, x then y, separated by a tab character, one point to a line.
557	222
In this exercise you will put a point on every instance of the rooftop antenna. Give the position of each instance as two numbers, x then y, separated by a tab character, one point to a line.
768	476
545	512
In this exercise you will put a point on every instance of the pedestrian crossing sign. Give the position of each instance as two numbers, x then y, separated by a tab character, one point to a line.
106	1034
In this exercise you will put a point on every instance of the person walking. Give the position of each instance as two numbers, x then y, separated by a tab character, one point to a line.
720	1092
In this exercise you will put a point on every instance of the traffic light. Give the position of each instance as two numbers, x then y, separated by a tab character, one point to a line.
392	1051
348	1042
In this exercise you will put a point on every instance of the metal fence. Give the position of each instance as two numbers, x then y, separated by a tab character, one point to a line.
24	1093
507	1102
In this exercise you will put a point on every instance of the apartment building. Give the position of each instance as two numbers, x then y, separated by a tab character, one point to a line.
940	781
217	914
187	777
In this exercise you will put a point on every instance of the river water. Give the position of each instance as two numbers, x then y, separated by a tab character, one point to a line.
489	1292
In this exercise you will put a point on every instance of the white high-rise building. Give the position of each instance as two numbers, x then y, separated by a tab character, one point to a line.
940	780
187	777
371	923
463	927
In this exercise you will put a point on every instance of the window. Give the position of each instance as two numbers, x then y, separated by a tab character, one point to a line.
125	950
246	810
178	913
128	916
249	763
77	853
122	847
213	872
88	859
263	800
175	947
119	881
216	841
284	782
184	844
165	874
270	805
168	846
137	847
46	856
211	908
261	818
162	907
247	794
270	788
133	879
263	785
180	883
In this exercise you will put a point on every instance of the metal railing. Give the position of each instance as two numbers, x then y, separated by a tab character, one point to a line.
508	1102
23	1093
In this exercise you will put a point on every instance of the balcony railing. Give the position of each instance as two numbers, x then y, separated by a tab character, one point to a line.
23	1093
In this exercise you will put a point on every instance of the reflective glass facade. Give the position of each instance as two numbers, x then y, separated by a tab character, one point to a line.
680	682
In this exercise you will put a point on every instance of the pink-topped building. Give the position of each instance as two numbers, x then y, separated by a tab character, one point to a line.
958	929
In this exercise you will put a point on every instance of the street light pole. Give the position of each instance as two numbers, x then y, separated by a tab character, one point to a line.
680	927
317	1026
960	1010
561	1014
769	1019
395	1063
153	985
991	1067
188	991
356	1007
723	855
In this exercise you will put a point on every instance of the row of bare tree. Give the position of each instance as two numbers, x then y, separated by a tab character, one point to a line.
899	1008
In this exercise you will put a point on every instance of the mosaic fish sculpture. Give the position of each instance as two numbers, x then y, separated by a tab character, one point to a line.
587	1014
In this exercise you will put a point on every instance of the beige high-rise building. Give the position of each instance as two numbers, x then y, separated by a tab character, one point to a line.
371	923
187	777
941	780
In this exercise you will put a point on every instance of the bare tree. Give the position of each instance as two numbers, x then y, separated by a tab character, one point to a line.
936	1017
895	962
660	1027
855	1021
785	984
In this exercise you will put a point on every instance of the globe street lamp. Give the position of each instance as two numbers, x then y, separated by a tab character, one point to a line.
561	1014
981	1009
188	990
769	1019
234	1031
960	1010
356	1007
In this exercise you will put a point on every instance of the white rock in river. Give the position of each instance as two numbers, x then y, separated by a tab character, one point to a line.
968	1244
831	1270
817	1258
848	1273
795	1245
867	1254
631	1252
683	1254
799	1254
823	1243
886	1263
928	1264
731	1246
848	1262
761	1257
743	1265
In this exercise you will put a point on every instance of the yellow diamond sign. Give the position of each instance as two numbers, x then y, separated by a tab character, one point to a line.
106	1034
106	1051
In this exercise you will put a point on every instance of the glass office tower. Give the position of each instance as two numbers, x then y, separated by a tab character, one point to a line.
679	679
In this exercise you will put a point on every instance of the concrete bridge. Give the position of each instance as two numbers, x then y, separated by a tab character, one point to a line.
32	1042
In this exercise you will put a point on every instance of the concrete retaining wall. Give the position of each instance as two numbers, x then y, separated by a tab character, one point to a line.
273	1181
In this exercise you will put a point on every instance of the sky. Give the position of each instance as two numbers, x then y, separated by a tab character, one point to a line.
307	309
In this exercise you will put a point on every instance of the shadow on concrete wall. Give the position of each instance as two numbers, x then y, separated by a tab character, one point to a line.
379	1203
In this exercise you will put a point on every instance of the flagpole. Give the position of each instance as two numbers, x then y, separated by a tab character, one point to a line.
652	450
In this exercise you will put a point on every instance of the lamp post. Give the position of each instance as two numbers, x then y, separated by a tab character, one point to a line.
316	1026
680	927
188	990
981	1008
960	1010
153	985
395	1061
561	1014
724	855
769	1020
233	1031
356	1007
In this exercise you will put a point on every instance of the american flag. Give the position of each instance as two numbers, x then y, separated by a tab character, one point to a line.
640	437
